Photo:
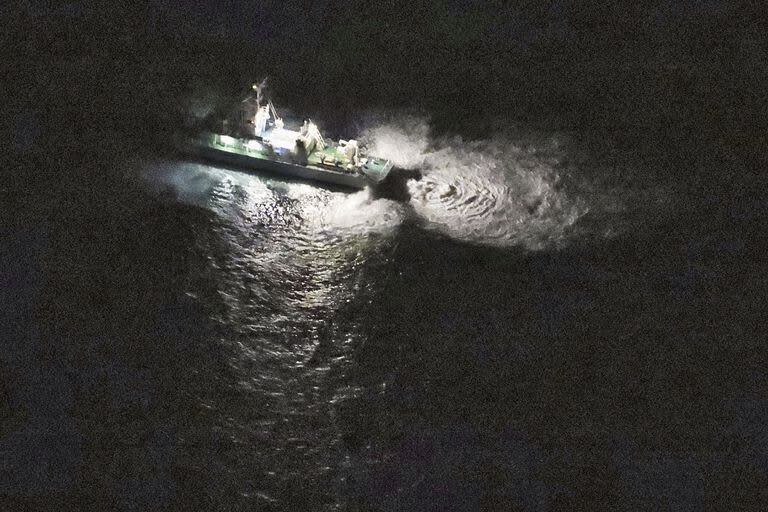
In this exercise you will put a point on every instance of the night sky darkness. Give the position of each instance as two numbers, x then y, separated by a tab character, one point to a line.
568	313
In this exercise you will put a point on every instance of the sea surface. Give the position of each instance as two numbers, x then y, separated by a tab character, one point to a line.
538	326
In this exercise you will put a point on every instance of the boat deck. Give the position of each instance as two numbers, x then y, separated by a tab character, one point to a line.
329	165
329	159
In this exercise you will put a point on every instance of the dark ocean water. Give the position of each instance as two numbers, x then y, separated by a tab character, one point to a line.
536	328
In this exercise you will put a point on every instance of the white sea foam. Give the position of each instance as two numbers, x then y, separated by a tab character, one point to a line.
498	191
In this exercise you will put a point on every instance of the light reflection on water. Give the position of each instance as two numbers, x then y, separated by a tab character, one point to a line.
289	256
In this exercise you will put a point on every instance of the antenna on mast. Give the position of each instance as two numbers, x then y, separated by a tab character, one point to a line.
259	88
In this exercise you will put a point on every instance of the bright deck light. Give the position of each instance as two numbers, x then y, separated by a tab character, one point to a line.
282	138
227	140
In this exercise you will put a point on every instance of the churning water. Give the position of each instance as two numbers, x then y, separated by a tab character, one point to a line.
501	191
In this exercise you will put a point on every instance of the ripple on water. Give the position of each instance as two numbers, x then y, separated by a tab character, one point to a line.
506	190
488	194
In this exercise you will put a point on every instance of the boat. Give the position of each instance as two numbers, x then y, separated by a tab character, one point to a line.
262	140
